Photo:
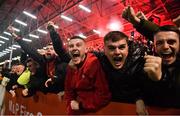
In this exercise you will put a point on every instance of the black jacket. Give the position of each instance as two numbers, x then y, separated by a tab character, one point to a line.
146	28
166	91
125	84
58	46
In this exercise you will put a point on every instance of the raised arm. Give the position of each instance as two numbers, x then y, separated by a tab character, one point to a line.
32	52
57	43
140	22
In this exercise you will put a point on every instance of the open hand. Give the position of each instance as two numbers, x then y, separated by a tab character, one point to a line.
129	14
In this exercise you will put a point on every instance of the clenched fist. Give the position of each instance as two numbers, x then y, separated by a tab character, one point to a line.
50	26
25	92
14	35
152	67
74	105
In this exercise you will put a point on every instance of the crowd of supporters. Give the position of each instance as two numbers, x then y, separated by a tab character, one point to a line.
117	69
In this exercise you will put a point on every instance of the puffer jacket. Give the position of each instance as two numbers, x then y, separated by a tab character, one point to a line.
125	84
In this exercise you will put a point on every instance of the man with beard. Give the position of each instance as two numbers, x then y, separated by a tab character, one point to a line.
121	68
164	92
166	43
86	88
52	66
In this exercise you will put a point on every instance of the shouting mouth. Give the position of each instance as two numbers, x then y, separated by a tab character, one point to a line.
75	54
167	55
76	57
117	61
48	56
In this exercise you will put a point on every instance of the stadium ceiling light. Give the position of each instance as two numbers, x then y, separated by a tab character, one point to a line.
5	38
17	46
7	33
29	14
12	48
20	22
115	25
83	36
84	8
66	18
42	31
16	29
35	36
8	49
96	31
56	26
2	42
27	40
4	51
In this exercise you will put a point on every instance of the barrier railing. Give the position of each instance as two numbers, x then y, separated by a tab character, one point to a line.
52	104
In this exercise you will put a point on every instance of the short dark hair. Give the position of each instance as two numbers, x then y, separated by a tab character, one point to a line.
49	44
115	36
15	62
29	60
77	37
168	28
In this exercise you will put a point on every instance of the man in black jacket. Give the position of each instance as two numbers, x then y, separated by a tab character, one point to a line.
166	41
165	92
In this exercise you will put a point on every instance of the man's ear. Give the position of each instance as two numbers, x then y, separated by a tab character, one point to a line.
104	50
86	51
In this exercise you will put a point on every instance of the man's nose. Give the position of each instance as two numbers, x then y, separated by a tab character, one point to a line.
165	45
117	51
